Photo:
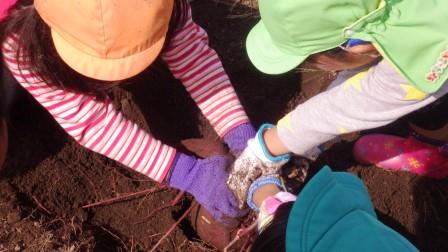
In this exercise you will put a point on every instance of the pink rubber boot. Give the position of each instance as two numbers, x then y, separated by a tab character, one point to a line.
402	154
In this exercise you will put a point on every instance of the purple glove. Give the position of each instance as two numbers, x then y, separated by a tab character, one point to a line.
206	179
237	138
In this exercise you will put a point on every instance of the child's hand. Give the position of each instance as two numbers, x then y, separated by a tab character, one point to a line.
254	162
206	179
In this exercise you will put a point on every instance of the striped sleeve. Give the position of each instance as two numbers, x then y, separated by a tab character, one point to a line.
94	124
199	68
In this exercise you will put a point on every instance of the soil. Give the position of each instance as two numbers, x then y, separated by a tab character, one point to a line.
47	177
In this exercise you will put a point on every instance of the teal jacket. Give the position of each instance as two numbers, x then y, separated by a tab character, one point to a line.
334	213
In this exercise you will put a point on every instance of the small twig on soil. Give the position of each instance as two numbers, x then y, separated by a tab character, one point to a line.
193	204
242	232
244	248
115	236
114	183
154	235
169	204
40	205
125	196
141	202
30	215
72	224
181	245
91	183
132	243
172	242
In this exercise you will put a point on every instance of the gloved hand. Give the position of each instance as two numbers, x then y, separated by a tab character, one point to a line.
237	138
255	161
206	179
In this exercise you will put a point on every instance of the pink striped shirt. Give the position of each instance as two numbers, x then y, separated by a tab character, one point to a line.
99	127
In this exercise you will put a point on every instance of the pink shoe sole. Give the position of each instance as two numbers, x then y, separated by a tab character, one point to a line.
401	154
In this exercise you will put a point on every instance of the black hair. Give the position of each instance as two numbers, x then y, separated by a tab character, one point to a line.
437	111
2	92
273	237
36	43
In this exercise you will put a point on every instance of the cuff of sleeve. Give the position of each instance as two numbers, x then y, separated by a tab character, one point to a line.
181	166
258	183
259	138
244	130
237	137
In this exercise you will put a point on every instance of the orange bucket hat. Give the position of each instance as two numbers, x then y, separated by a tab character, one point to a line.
107	39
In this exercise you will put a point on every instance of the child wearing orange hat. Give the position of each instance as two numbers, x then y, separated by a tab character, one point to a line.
66	53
